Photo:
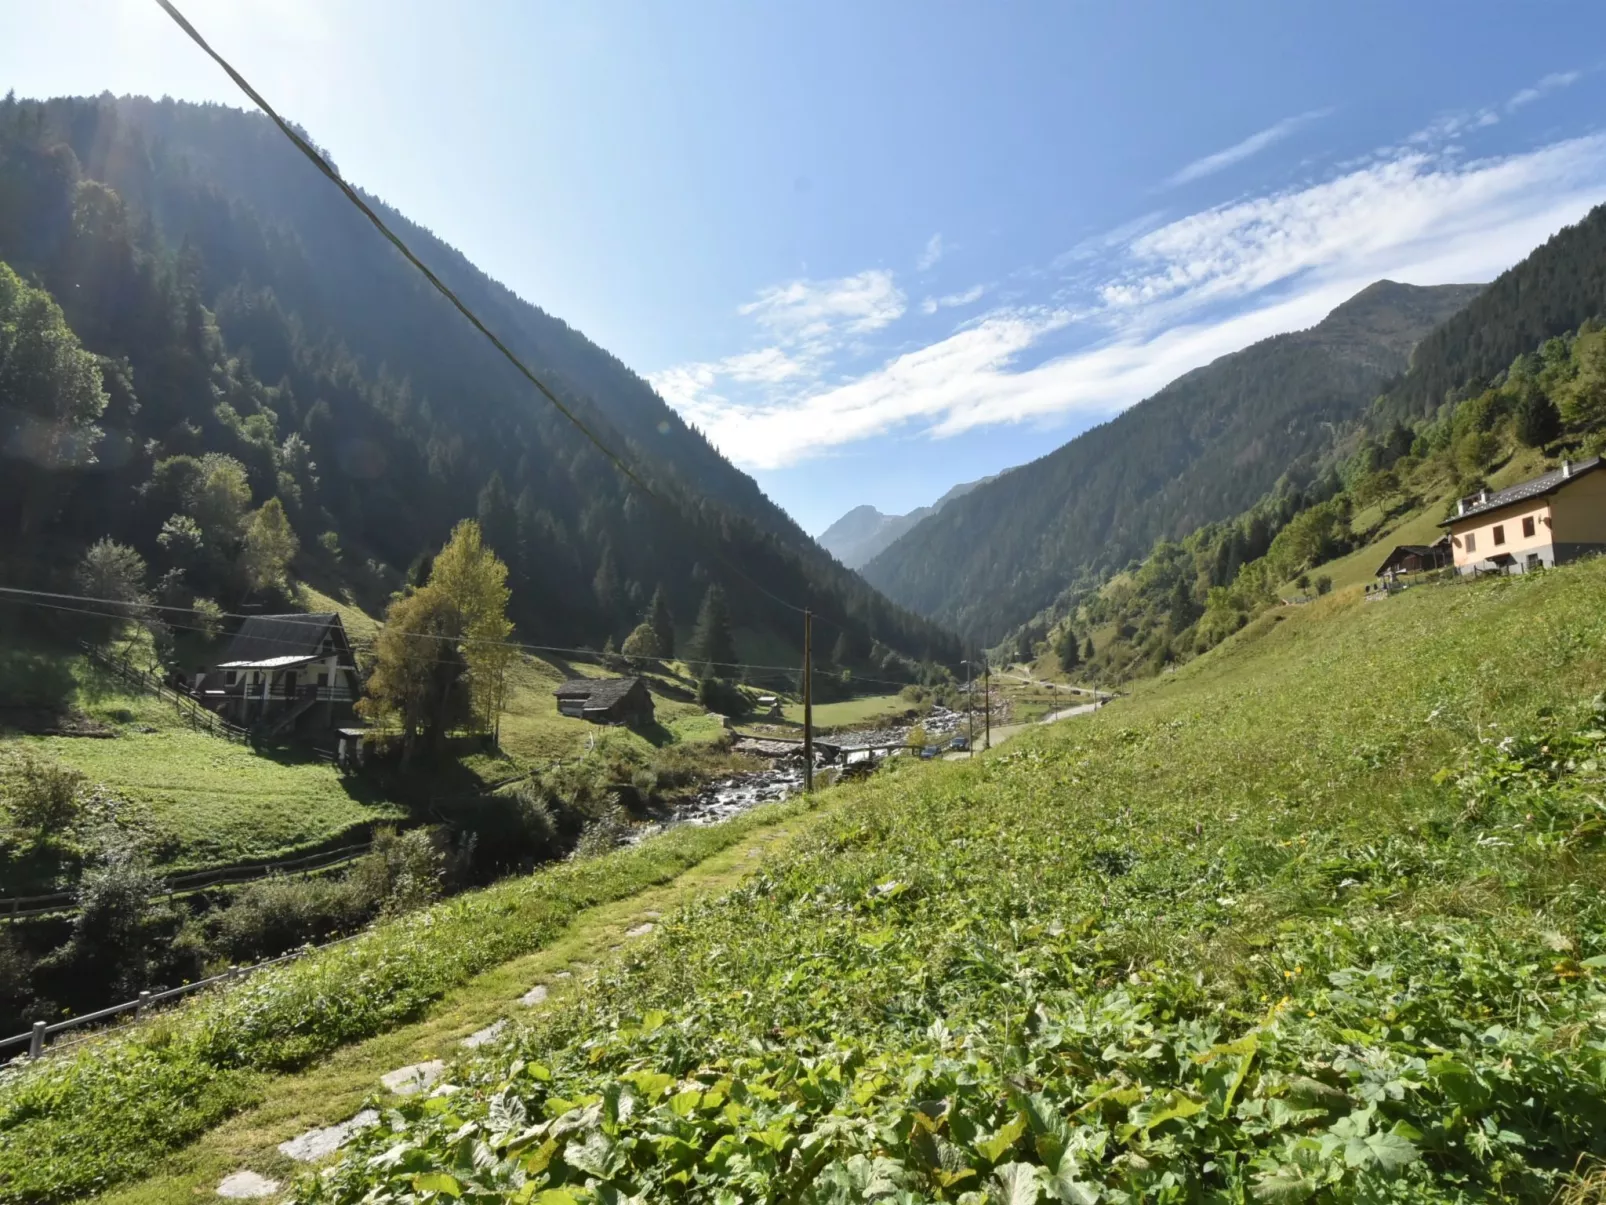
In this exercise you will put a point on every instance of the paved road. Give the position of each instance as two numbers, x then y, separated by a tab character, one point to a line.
1004	732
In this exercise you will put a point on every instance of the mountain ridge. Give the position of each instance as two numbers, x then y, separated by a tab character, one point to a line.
255	314
861	534
1204	447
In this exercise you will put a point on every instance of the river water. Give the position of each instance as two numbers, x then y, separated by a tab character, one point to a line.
730	796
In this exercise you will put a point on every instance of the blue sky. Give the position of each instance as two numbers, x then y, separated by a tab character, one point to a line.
877	249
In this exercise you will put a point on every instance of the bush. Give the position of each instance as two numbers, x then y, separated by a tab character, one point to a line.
276	915
403	872
115	931
1324	583
45	798
602	835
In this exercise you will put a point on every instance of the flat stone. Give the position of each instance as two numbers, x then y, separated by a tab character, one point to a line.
536	995
640	930
404	1081
316	1144
247	1186
650	914
489	1034
564	975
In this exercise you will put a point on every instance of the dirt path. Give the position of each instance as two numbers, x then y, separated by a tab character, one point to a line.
337	1088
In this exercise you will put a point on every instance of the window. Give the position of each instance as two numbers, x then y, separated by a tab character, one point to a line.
1499	534
1528	525
323	678
229	680
1472	541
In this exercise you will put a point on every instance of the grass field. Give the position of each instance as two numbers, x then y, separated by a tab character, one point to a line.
866	711
1318	917
533	732
201	800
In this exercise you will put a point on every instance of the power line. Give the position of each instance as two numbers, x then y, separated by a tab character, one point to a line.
57	601
351	194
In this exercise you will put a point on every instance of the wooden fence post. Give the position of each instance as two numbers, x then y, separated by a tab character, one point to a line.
36	1042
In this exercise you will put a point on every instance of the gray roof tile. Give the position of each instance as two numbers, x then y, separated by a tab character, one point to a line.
1534	487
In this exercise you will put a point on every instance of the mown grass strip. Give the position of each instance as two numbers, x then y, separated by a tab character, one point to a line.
79	1123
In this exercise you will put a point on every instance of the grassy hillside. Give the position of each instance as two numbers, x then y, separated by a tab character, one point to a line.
1315	917
195	799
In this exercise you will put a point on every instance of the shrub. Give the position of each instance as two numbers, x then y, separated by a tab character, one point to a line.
1324	583
276	915
45	798
404	871
602	835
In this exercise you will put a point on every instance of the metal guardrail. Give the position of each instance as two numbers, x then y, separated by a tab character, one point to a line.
17	907
35	1038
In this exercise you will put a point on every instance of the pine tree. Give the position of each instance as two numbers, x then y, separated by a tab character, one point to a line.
498	519
713	645
1087	650
1065	650
842	651
663	622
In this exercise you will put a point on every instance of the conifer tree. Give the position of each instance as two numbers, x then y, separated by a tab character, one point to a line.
663	623
713	645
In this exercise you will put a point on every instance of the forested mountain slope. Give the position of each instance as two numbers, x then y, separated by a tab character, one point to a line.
1558	286
1204	448
243	309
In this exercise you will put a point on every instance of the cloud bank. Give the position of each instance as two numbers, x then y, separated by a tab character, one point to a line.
837	364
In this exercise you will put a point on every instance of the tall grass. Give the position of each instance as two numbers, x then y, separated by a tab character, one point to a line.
1317	918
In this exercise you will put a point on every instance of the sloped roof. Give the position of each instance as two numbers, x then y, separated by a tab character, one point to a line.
1534	487
269	641
1404	550
597	692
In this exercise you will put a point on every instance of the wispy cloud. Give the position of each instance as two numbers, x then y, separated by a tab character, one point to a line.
1454	125
953	300
1209	165
1158	302
806	311
929	257
1553	82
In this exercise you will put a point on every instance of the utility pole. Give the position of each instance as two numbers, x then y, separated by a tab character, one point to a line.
987	702
970	715
808	702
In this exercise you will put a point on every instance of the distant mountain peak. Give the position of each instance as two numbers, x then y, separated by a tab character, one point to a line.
865	532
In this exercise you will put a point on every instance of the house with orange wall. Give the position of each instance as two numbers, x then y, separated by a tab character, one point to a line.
1548	520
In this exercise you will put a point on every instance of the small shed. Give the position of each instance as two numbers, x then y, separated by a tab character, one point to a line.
1415	558
606	700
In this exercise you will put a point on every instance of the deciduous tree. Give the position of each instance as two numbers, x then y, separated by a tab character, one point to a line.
270	544
474	581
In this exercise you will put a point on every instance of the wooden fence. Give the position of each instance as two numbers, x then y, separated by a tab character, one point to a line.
16	907
193	713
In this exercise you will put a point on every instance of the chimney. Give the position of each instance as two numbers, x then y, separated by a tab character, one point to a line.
1460	507
1483	494
1566	469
